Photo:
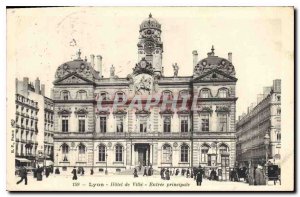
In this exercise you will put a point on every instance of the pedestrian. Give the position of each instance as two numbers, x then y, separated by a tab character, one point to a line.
39	174
82	172
92	171
47	172
188	173
140	166
145	171
167	174
199	176
135	174
74	172
177	172
150	171
259	176
162	173
213	175
23	175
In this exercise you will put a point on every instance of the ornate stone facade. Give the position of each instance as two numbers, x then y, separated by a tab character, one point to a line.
121	137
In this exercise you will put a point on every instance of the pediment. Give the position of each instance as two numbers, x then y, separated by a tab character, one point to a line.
73	78
215	75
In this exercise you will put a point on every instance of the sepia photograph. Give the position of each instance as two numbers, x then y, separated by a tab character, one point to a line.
150	99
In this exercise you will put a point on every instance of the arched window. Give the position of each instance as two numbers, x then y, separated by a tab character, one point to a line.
278	111
223	149
119	153
167	94
65	95
223	93
104	96
184	153
205	93
120	96
204	153
81	152
102	153
81	95
183	94
167	153
278	135
65	152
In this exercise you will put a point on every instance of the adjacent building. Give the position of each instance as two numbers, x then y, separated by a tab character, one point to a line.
89	132
259	131
34	124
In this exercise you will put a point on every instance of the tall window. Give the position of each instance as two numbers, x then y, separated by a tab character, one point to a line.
204	152
81	124
167	124
205	122
143	124
184	153
119	153
102	153
167	154
222	122
65	152
184	124
278	135
223	93
81	152
103	124
81	95
65	124
119	120
65	95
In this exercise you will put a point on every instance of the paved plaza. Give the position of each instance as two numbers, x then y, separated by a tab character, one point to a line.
112	182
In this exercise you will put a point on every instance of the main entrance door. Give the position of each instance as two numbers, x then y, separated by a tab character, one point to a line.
142	154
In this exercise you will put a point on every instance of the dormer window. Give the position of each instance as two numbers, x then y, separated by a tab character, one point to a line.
81	95
65	95
205	93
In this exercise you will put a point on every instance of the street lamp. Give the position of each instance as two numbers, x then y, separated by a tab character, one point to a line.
106	164
267	142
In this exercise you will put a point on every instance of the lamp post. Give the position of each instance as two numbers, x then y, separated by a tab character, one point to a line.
267	142
106	164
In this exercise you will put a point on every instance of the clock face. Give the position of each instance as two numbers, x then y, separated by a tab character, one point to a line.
149	47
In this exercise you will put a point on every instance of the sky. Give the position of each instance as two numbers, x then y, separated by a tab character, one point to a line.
261	40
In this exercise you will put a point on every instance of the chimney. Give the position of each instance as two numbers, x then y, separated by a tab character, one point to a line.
99	65
43	90
52	93
195	58
230	57
37	86
25	86
267	91
260	97
277	85
93	60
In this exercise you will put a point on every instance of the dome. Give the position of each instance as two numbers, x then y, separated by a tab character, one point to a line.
214	62
78	66
150	23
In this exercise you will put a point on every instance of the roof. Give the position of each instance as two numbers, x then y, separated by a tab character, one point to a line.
150	22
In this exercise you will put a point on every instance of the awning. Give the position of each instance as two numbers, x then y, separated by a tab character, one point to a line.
23	160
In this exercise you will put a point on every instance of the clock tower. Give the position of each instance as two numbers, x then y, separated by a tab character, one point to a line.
150	46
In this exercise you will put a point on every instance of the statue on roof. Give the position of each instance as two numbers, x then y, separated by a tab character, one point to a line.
112	71
175	68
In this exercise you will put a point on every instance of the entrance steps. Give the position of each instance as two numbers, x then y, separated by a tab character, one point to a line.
140	173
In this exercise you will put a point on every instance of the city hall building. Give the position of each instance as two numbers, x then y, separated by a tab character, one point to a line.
90	132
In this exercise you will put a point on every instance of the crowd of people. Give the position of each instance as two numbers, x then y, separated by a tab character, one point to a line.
37	173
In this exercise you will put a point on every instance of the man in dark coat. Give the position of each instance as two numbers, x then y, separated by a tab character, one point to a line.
135	173
199	176
92	171
150	171
23	175
74	172
167	174
47	172
162	173
177	172
188	173
145	171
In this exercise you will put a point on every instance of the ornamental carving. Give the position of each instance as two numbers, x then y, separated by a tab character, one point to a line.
205	109
143	84
223	108
143	111
81	111
64	111
143	67
120	112
167	112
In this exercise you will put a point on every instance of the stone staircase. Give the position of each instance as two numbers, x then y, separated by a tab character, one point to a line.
140	173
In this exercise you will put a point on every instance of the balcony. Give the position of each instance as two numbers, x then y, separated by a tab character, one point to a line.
146	135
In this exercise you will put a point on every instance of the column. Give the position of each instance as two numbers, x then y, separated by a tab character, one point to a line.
151	154
132	155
